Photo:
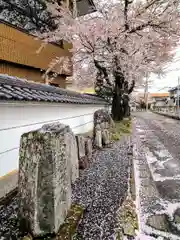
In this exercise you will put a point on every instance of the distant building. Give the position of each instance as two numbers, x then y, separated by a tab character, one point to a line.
174	95
159	99
153	99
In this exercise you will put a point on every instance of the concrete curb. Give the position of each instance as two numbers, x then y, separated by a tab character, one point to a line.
167	115
8	185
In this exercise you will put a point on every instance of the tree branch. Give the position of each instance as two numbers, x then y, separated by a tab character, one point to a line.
140	27
126	4
147	6
89	46
100	68
148	24
28	12
103	71
131	87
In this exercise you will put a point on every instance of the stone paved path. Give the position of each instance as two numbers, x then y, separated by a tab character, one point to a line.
157	163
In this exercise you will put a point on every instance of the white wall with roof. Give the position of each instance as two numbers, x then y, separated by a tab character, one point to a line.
17	118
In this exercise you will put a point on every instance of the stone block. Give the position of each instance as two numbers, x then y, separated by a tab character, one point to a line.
98	139
102	125
177	216
101	116
83	160
158	222
88	148
106	125
44	179
105	137
83	163
81	146
72	155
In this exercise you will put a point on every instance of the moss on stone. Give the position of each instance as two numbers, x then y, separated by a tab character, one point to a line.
119	235
115	136
28	237
159	222
132	188
127	219
68	229
132	182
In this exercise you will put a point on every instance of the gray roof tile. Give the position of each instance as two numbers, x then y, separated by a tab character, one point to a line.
16	89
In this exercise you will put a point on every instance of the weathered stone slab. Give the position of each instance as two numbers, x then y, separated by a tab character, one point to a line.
158	222
127	220
72	155
81	146
177	216
44	179
169	189
98	136
105	137
83	163
106	125
102	125
83	160
101	116
88	148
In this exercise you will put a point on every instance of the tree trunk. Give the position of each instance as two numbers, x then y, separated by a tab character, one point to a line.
127	91
117	107
126	105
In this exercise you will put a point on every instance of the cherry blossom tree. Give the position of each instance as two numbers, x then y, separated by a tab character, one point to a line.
31	15
120	43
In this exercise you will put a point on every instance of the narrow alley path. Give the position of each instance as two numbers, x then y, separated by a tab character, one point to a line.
101	190
157	166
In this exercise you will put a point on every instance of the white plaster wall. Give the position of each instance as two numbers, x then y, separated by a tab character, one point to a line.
160	103
17	118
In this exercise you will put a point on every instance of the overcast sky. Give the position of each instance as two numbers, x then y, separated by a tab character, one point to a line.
171	78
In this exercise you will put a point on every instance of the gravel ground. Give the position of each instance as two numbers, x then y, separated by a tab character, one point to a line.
100	189
9	221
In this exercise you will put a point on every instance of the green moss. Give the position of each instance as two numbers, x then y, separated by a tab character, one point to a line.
119	236
132	185
115	136
68	229
121	128
127	218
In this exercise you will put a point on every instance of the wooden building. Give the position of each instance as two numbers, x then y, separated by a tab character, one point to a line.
19	52
19	56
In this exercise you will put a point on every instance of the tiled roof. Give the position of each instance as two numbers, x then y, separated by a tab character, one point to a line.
174	88
159	94
16	89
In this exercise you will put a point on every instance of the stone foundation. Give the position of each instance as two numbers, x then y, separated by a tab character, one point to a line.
102	124
45	175
50	159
